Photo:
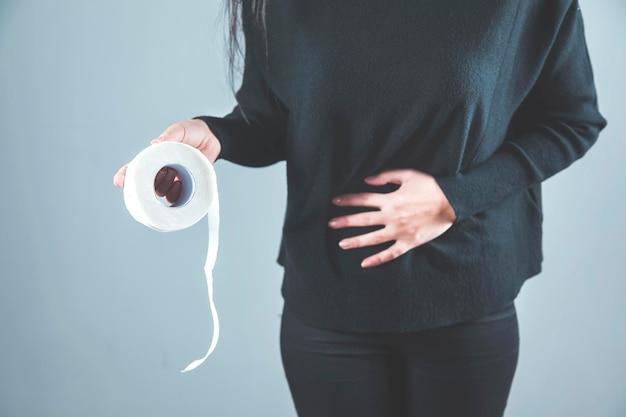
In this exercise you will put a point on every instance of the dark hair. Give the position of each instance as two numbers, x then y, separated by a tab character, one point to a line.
233	10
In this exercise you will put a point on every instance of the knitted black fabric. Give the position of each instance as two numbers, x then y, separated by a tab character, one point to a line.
491	97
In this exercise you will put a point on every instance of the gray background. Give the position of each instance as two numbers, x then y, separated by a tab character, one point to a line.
98	313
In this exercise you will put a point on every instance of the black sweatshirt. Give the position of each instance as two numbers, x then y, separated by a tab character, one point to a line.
490	97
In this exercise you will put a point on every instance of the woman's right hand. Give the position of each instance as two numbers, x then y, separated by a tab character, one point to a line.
192	132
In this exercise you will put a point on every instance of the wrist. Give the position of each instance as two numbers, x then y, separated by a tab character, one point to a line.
446	211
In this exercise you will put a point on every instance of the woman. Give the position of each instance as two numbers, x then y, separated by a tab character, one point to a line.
416	136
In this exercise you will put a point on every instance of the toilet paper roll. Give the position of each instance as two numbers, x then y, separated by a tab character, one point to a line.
198	198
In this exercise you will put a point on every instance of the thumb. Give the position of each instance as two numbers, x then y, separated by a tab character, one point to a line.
174	133
396	176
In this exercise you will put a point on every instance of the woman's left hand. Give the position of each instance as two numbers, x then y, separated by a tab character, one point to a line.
414	214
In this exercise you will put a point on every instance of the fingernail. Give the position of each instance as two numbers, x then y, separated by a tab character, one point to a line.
344	244
366	263
333	223
336	200
154	141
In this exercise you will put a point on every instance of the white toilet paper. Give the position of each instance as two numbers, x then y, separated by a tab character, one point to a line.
198	197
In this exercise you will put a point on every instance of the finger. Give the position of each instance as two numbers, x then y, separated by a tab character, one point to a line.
370	218
164	180
394	251
359	200
120	175
396	176
160	177
368	239
174	192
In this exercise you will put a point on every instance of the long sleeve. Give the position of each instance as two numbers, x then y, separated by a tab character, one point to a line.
253	134
555	125
489	97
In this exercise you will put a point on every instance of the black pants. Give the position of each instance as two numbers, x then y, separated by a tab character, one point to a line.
463	370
